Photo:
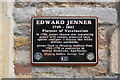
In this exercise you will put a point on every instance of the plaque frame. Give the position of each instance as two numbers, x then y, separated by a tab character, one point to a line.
62	63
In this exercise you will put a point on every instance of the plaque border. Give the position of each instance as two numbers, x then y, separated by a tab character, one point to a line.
62	63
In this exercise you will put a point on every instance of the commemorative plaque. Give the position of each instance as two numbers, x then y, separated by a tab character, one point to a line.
64	40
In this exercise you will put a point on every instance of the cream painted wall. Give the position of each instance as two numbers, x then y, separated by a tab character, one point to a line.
0	40
6	40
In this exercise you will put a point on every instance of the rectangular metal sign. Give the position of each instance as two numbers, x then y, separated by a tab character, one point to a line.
64	40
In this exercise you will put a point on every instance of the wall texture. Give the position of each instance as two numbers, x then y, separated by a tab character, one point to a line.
6	40
108	39
0	41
